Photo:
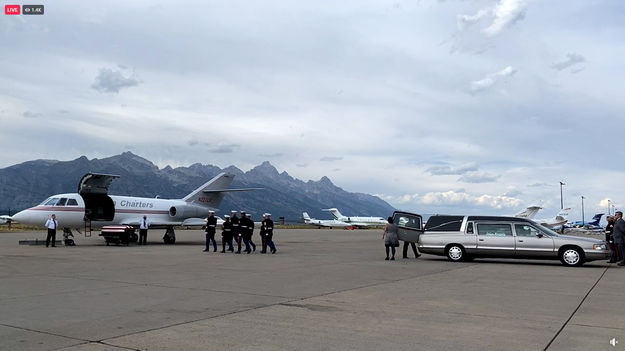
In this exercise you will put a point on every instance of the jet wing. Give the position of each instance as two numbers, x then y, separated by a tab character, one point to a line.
189	222
95	183
229	190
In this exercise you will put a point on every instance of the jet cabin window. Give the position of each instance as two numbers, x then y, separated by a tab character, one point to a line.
51	202
72	202
496	230
62	202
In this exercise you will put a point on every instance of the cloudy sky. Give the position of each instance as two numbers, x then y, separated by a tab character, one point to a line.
436	106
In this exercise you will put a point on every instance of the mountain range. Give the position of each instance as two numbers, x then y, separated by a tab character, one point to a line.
27	184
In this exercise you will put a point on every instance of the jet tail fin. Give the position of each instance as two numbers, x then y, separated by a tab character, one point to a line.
213	198
529	212
596	219
335	213
305	215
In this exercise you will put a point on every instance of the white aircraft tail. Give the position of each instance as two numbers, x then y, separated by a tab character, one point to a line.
529	212
306	217
212	192
335	213
213	198
563	214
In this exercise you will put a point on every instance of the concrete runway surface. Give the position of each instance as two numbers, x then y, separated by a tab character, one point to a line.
323	290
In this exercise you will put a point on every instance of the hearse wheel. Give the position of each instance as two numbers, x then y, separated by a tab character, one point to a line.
571	256
456	253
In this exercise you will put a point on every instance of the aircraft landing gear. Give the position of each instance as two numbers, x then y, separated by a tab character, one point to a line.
170	236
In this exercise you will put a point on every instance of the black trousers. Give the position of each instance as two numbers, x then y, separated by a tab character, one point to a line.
143	236
414	249
51	236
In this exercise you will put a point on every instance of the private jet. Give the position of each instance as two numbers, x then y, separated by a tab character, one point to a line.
92	207
325	222
559	220
357	221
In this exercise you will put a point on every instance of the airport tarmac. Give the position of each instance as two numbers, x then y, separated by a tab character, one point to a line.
323	290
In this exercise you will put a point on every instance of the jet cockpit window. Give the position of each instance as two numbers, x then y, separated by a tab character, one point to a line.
62	202
72	202
52	201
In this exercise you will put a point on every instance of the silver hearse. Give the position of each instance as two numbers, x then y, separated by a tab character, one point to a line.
466	237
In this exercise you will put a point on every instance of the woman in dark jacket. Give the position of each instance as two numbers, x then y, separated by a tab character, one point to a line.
390	238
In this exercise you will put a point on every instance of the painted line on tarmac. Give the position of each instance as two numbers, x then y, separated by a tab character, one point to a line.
576	309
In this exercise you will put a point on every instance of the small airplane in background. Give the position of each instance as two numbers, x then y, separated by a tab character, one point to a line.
4	219
559	220
92	207
357	221
325	222
593	224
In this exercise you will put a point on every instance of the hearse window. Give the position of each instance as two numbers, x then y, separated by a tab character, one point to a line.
444	223
62	201
72	202
52	201
525	230
406	221
498	230
470	228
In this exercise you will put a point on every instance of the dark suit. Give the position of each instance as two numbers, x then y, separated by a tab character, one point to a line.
619	236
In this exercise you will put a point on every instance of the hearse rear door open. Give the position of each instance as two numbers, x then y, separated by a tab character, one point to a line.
409	226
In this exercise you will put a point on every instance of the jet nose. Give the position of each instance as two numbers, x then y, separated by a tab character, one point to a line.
18	217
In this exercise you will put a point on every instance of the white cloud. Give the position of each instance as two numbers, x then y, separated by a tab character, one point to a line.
399	200
496	18
479	177
330	159
455	198
492	79
448	170
506	13
464	21
111	81
571	60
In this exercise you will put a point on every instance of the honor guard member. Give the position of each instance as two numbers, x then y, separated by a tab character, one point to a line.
226	235
262	234
250	230
144	224
269	232
236	229
51	224
211	228
243	231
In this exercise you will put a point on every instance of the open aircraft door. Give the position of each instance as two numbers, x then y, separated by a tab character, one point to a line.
93	188
409	226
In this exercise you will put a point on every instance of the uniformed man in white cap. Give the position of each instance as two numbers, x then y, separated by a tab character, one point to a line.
236	229
211	228
226	235
250	232
243	228
267	229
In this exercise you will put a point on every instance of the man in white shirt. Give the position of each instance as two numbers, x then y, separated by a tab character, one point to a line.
143	230
51	224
